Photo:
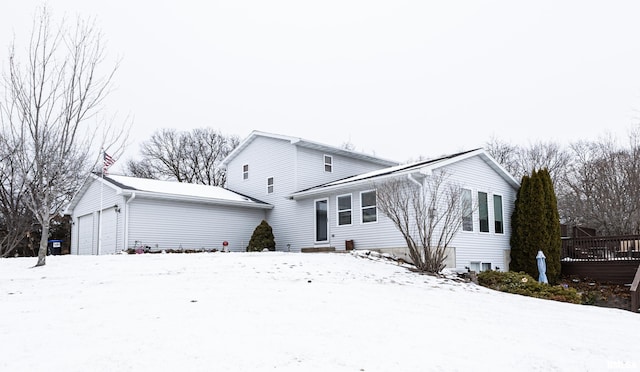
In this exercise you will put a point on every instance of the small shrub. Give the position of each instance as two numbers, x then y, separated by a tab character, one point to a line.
523	284
262	238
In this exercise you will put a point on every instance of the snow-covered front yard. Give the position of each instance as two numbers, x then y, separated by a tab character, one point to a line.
288	312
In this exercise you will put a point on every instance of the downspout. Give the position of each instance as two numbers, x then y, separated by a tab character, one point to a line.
126	221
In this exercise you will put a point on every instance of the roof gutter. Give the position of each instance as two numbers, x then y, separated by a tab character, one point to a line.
324	190
197	199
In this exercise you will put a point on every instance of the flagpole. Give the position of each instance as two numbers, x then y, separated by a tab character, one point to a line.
101	206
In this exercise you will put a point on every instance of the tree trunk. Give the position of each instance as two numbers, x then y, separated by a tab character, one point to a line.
44	242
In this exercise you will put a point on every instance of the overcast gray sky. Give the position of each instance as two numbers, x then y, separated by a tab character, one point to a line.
396	78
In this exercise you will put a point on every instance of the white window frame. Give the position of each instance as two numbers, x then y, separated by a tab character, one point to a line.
480	266
470	210
328	164
338	210
362	207
245	171
270	183
488	214
501	211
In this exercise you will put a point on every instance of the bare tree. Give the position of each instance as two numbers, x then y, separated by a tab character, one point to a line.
184	156
520	161
505	154
603	186
16	221
348	145
48	100
428	214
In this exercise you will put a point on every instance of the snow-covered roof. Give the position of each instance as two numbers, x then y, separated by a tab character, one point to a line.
424	166
308	144
174	190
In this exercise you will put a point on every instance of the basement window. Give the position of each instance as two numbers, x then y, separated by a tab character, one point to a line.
478	266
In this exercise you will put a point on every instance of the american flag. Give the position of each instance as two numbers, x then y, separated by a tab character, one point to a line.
107	162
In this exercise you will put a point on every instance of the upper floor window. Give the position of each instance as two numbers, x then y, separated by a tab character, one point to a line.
368	203
497	214
269	185
344	210
328	163
483	211
467	211
245	172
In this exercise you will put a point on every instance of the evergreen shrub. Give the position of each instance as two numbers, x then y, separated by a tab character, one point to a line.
262	238
523	284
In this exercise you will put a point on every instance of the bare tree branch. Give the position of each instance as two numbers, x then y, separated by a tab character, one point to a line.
184	156
48	104
428	214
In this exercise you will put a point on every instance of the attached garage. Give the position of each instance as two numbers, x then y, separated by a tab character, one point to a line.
115	213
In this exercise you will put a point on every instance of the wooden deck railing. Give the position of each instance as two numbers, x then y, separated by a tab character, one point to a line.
595	248
635	292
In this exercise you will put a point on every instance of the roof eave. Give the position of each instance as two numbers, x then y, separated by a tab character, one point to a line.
85	185
197	199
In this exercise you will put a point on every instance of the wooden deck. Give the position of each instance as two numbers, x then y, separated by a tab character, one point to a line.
612	271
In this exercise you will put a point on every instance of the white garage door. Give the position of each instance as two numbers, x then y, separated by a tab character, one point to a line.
85	235
109	225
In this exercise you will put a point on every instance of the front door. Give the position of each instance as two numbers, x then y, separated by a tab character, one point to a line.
322	221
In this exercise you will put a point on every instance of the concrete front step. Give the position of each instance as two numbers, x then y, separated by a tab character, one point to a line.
318	249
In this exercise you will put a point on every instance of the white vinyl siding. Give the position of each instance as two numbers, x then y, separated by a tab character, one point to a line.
272	157
476	175
298	168
310	168
295	168
472	174
167	224
85	235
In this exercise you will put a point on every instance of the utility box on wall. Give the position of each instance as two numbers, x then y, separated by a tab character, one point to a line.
348	245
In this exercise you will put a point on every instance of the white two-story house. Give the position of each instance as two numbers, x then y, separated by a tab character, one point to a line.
314	196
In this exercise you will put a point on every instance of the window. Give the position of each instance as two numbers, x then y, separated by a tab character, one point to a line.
497	214
483	211
245	172
467	211
328	163
478	266
475	266
270	185
344	210
368	203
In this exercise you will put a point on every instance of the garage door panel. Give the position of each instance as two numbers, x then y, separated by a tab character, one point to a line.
85	234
